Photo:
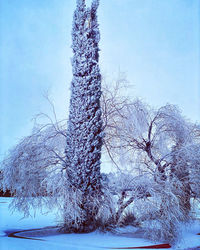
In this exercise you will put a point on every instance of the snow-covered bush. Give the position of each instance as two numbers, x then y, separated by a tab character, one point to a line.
160	214
147	203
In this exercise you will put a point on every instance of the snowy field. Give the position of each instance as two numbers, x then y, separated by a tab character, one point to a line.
96	240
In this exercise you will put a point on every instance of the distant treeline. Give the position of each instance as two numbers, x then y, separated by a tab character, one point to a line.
5	194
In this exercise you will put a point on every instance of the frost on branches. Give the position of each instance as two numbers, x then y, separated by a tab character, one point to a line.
156	153
84	133
157	157
32	171
160	145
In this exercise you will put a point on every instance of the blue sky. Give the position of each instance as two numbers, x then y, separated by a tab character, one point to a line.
155	42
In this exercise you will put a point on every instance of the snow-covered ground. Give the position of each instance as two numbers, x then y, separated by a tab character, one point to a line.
96	240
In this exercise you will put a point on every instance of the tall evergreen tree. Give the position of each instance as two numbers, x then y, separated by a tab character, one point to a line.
84	141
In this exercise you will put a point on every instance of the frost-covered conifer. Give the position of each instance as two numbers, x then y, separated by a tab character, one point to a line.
84	131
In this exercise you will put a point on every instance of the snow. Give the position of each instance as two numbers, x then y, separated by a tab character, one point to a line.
13	222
